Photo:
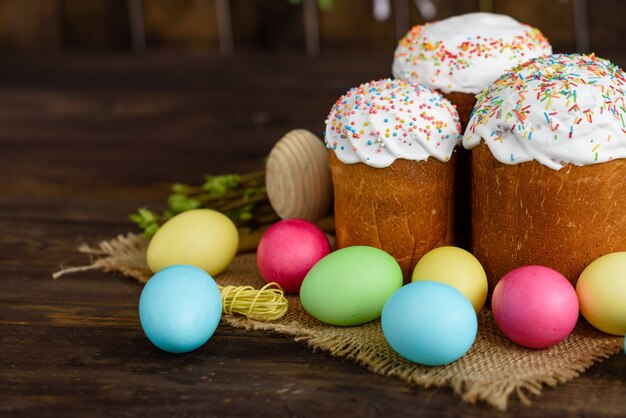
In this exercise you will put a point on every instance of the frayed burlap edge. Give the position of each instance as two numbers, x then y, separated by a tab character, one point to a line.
495	393
125	254
478	376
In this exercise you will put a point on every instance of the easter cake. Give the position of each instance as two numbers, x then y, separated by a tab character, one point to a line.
462	55
548	168
389	192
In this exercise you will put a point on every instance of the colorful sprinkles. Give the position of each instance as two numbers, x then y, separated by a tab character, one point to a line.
566	101
382	120
428	55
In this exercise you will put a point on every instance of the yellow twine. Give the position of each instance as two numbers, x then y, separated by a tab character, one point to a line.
267	304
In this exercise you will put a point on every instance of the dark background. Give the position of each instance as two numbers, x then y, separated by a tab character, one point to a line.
104	104
108	25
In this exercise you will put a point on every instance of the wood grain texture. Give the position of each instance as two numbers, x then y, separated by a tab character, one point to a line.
96	24
297	176
275	24
99	136
31	24
186	23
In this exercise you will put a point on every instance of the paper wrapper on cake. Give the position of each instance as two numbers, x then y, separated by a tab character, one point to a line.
530	214
548	170
391	145
405	209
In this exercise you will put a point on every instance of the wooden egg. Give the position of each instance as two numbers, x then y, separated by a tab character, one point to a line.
298	177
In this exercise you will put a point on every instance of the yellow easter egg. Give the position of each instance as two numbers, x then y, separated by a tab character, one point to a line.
457	268
203	238
601	290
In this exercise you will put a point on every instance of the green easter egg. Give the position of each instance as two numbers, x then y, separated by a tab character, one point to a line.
350	286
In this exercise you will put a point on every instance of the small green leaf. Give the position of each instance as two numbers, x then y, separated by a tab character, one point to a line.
180	203
150	231
241	213
253	192
219	185
180	188
146	220
325	5
245	216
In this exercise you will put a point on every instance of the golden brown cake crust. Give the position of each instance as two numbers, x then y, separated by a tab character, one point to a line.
405	209
530	214
464	104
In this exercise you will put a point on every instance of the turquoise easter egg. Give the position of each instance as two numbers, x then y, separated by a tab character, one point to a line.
429	323
180	308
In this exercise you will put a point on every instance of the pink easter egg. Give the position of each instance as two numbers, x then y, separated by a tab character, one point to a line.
288	250
535	306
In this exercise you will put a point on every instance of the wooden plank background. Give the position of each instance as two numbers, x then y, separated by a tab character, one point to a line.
88	138
36	25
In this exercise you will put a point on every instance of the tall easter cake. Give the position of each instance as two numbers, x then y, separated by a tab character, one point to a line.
389	192
549	174
462	55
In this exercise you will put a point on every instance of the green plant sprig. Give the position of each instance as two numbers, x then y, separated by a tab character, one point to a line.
243	198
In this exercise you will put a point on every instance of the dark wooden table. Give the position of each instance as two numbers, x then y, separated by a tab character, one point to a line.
84	141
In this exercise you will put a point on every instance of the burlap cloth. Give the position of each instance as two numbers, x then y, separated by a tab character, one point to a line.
492	370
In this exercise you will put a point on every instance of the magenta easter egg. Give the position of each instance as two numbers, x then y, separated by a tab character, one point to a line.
288	250
535	306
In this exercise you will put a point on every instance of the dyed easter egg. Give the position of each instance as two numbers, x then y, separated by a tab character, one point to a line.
455	267
288	250
203	238
180	308
535	306
601	290
350	286
429	323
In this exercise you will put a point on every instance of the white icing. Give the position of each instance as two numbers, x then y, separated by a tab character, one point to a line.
466	53
380	121
557	110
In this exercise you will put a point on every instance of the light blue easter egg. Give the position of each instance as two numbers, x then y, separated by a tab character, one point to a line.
429	323
180	308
